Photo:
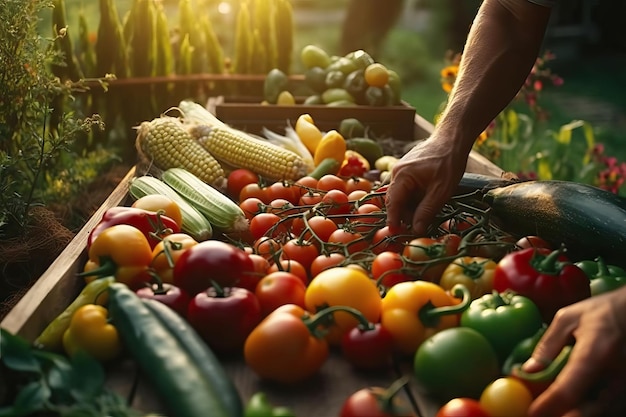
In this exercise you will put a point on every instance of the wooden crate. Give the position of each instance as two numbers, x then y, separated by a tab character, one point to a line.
323	395
249	114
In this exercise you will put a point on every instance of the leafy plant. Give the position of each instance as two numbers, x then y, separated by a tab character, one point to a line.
521	140
50	383
39	157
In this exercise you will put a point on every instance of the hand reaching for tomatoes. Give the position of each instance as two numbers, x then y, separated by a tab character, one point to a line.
595	376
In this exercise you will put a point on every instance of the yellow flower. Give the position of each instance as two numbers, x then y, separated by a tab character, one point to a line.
448	77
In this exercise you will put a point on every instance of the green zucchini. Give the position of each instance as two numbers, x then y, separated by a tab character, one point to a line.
587	220
327	166
173	371
206	361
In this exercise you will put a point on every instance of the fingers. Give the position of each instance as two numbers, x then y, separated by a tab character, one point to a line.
426	211
558	334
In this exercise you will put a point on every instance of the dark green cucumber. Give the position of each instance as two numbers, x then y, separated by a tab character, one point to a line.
173	372
589	221
206	361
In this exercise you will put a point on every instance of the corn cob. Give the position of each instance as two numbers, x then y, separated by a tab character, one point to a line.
221	211
194	222
167	144
238	149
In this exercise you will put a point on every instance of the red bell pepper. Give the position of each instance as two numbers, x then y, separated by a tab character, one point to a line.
153	225
547	277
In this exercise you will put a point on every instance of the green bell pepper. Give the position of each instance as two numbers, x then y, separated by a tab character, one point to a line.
602	277
522	351
504	319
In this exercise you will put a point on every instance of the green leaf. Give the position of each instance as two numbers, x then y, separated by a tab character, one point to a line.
88	377
16	353
31	398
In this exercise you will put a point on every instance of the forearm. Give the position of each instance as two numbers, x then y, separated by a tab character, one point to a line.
501	48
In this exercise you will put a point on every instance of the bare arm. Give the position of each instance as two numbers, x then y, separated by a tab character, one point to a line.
501	48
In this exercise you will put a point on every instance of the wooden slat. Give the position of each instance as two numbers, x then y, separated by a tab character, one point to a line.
58	285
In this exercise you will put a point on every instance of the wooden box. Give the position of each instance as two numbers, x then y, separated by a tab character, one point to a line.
247	113
321	396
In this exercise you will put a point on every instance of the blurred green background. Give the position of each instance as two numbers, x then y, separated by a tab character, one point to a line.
583	34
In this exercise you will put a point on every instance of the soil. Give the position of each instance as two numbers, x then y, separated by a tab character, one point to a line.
25	259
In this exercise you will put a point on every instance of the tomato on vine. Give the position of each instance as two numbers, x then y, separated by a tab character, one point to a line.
238	179
387	269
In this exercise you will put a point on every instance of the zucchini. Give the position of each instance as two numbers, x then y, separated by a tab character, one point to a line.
206	361
221	211
327	166
587	220
175	373
194	222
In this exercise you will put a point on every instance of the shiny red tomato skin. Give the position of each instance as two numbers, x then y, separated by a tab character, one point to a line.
367	402
368	349
387	269
225	320
462	407
172	296
279	288
239	178
211	260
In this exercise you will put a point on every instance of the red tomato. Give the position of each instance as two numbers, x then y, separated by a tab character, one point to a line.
532	242
462	407
279	288
266	224
225	318
369	215
170	295
458	224
302	251
292	266
331	182
425	249
356	195
260	267
325	261
208	261
252	206
368	348
336	202
321	228
310	198
387	269
384	239
352	241
369	402
239	178
267	247
283	191
354	184
254	190
306	184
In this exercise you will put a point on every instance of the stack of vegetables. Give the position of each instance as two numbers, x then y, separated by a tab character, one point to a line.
282	265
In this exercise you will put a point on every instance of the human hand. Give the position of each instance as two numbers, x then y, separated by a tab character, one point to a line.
593	382
422	181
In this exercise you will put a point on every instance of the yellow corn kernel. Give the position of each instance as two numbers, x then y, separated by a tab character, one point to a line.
332	145
167	144
238	149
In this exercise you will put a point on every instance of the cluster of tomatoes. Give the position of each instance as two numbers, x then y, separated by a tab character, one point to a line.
319	270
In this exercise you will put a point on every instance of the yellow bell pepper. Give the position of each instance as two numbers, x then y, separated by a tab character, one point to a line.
415	310
308	133
332	145
90	331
